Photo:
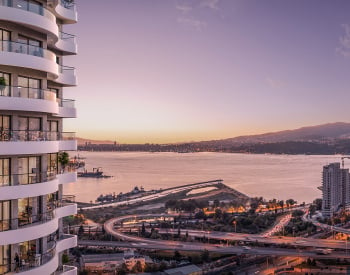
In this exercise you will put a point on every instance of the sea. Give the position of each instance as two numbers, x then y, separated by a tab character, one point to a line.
270	176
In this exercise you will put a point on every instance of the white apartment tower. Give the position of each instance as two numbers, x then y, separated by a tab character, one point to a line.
33	145
335	189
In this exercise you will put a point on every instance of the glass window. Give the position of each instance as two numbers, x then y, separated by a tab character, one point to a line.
5	215
5	127
58	99
29	87
5	259
29	170
4	172
29	128
52	163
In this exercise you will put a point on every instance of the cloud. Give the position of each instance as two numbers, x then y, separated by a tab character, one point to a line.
192	22
211	4
344	42
273	83
184	8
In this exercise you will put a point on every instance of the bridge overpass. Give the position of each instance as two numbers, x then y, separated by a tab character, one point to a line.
301	246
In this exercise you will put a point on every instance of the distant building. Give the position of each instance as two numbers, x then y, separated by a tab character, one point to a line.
335	189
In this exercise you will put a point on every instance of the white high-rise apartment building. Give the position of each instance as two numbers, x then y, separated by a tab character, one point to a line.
335	189
32	107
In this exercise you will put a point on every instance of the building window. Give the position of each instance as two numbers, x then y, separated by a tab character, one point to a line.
5	259
5	172
5	215
29	170
58	99
52	163
29	5
5	128
29	87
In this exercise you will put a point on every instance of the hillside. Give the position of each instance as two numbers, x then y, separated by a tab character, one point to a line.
319	133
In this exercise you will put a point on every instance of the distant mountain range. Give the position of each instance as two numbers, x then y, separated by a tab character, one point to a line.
331	138
319	133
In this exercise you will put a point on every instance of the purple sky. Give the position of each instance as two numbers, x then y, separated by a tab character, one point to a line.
166	70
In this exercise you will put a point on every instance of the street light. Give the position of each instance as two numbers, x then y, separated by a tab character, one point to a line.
235	224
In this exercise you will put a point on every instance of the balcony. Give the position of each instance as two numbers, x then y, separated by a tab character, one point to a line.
19	142
30	227
16	98
66	76
18	186
68	177
17	54
66	270
31	15
67	109
67	43
66	11
45	263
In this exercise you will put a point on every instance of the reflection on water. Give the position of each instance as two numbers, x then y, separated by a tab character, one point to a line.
279	176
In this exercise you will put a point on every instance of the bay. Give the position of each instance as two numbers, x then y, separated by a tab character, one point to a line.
269	176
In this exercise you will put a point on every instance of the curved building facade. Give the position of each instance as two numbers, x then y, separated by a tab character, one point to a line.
32	141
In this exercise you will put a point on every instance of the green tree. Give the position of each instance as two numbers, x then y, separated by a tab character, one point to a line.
205	255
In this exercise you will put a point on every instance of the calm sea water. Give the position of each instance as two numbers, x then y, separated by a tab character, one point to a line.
270	176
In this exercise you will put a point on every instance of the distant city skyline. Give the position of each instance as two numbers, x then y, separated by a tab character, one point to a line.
171	71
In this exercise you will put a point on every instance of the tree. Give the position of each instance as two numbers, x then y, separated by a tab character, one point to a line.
81	230
205	255
143	229
177	255
63	159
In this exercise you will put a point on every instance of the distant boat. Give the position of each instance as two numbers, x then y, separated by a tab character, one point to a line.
96	173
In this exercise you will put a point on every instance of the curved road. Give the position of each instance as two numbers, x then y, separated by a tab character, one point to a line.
139	242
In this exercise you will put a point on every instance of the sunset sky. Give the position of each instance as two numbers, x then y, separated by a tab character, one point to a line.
168	71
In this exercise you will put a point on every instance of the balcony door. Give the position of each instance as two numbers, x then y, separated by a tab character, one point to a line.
29	128
29	87
5	172
29	170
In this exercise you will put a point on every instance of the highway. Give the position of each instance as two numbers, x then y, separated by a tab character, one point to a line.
297	243
157	195
183	246
326	226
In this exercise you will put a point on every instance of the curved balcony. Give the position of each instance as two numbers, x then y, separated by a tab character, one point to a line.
66	178
18	186
31	15
22	142
16	98
30	227
66	76
49	261
66	11
17	54
67	270
67	44
67	109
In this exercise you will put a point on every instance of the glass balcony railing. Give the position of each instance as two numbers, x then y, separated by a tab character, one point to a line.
29	135
68	4
68	103
26	92
28	6
28	178
67	36
22	48
67	70
25	219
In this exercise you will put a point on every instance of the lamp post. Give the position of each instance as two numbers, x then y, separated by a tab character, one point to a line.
235	224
